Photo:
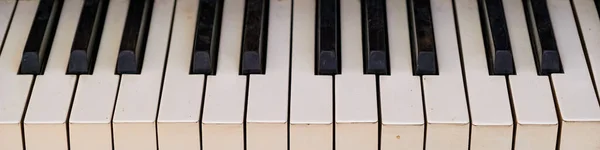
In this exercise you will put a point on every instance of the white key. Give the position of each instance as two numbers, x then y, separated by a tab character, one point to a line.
6	12
137	101
575	95
311	101
444	94
536	121
355	93
488	95
51	95
402	118
224	101
45	120
93	104
179	113
268	94
14	89
589	23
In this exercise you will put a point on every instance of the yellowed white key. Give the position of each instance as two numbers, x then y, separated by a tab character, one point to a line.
224	101
444	94
311	99
137	101
533	104
93	104
14	89
487	94
6	13
355	93
402	118
574	90
45	123
587	17
267	112
181	102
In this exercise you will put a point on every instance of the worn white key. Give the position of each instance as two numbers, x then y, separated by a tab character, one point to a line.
587	16
533	104
355	93
45	123
266	124
14	89
575	95
225	98
488	95
93	104
402	118
137	101
179	112
444	94
6	12
311	100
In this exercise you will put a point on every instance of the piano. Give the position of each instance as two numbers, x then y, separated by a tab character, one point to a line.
299	75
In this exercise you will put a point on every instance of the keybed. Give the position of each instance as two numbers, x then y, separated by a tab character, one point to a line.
290	74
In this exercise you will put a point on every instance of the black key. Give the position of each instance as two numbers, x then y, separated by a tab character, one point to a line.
497	42
41	37
542	36
87	37
254	42
423	42
375	40
328	57
206	43
133	42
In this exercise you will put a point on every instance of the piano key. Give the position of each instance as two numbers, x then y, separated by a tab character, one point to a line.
423	38
444	94
401	102
311	96
133	42
208	28
255	37
87	36
376	38
225	95
50	101
15	88
588	22
535	115
267	108
500	57
489	103
6	14
356	114
178	125
134	119
544	40
574	90
328	37
41	36
93	103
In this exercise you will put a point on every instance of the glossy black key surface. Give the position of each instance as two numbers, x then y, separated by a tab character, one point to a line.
497	42
206	42
422	39
327	48
87	37
542	36
375	40
133	42
41	37
254	44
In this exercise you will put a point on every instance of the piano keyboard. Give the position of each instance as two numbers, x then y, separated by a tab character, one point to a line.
299	74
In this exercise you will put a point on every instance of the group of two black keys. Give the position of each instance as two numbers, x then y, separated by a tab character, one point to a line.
253	59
